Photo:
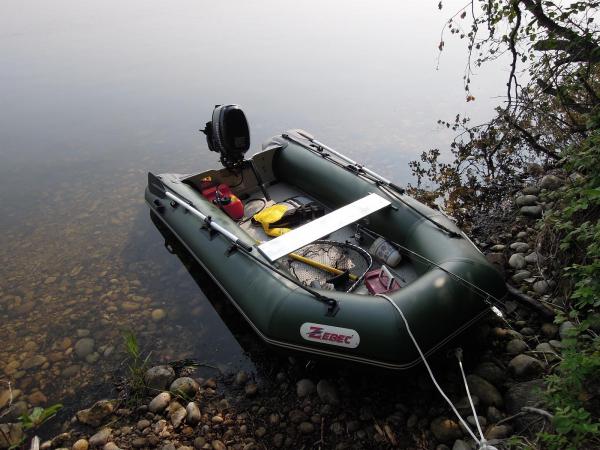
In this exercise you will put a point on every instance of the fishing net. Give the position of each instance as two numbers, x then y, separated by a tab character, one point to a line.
351	260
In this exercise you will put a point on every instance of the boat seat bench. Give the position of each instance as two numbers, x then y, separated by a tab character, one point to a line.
311	231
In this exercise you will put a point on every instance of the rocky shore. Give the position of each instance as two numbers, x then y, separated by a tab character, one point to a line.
299	404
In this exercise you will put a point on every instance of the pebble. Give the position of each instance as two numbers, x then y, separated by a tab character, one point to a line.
160	402
193	414
327	392
533	258
549	329
519	247
494	414
100	438
516	346
278	440
487	393
498	432
535	212
95	415
251	389
185	386
516	261
241	378
563	329
34	361
142	424
84	347
158	315
178	413
445	430
490	372
531	190
526	200
547	351
306	428
541	286
305	387
459	444
81	444
521	275
218	445
158	378
550	182
498	248
260	432
199	442
111	446
524	366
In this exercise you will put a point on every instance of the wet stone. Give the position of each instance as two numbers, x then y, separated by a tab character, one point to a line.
327	392
218	445
521	275
306	428
487	393
541	287
100	438
81	444
160	402
193	414
526	200
84	347
524	366
533	212
158	378
516	346
519	247
516	261
34	361
95	415
186	386
305	387
158	315
445	430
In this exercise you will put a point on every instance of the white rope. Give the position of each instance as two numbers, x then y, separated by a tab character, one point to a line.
475	416
481	443
429	369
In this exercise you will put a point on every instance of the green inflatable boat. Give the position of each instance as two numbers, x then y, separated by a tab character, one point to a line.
322	255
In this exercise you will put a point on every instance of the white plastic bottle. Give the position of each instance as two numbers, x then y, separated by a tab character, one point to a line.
385	252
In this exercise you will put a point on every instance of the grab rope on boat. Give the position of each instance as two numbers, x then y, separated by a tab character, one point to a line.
482	443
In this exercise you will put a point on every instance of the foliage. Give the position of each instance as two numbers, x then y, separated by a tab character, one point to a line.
39	416
554	48
137	366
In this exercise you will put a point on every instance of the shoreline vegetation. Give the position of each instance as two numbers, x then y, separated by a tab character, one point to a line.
526	187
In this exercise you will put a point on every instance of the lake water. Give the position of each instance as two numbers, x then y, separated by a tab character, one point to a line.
96	94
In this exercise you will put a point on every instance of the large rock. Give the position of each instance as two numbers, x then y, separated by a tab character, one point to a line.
185	386
158	378
327	392
445	430
97	414
525	366
84	347
305	387
10	434
486	391
550	182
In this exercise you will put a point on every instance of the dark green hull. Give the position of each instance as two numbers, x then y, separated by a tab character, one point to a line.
444	300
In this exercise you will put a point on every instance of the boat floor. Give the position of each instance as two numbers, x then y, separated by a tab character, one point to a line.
279	192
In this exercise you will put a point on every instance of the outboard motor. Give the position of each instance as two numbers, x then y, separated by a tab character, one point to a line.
228	134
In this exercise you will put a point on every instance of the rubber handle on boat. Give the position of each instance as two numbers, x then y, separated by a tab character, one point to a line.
245	246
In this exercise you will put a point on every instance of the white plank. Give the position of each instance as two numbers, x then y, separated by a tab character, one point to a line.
310	232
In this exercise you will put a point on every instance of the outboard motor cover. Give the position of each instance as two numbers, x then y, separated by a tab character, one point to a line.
228	134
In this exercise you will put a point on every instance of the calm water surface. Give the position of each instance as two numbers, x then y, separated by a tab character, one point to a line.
95	94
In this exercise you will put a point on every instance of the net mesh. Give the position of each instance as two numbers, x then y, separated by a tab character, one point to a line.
339	255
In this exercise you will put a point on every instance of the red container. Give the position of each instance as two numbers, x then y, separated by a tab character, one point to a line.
222	196
381	281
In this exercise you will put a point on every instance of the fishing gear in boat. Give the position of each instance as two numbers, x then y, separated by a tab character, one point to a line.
350	261
156	187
